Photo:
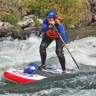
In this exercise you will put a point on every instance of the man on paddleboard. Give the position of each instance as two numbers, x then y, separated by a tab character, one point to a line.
50	34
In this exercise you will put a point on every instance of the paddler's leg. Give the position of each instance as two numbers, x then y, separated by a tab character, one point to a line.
44	44
60	55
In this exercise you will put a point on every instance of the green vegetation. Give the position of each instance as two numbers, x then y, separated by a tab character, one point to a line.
10	11
9	18
37	23
73	11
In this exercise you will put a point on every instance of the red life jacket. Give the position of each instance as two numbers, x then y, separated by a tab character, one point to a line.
52	33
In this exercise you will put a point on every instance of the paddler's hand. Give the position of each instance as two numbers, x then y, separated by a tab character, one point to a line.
66	46
52	22
50	26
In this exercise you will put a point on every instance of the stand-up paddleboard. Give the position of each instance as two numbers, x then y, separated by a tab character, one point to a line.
18	76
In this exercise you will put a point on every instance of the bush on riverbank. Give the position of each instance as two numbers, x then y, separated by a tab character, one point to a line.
12	10
9	18
73	11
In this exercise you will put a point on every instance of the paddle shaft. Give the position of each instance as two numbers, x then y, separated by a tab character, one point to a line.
40	33
66	48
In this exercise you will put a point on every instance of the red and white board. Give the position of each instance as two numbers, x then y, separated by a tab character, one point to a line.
19	77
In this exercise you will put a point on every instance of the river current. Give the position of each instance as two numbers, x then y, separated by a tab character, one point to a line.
17	54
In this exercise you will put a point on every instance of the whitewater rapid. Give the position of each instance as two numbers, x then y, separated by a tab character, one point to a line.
15	53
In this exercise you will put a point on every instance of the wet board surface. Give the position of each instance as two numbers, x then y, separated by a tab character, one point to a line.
17	75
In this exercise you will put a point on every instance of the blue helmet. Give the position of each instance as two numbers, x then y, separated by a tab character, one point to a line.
51	14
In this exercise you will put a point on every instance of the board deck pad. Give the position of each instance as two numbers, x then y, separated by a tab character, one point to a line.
49	72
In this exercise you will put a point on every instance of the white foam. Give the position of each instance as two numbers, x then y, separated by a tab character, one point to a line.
87	92
57	92
83	49
16	53
52	91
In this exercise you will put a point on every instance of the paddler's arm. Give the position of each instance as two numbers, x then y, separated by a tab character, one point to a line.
63	33
45	26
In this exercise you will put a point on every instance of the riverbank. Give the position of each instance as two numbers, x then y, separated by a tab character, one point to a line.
21	18
72	34
81	33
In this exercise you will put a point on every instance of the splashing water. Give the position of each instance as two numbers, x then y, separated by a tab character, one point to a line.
15	54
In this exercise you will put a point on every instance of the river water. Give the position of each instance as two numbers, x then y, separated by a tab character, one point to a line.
16	54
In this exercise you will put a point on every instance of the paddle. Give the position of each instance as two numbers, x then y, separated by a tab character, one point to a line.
40	33
66	48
